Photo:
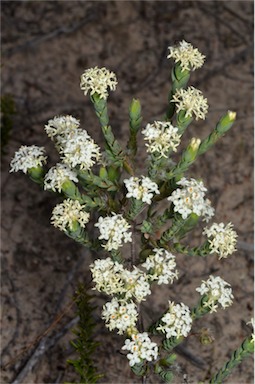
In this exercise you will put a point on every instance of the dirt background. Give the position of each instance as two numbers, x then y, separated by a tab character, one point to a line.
46	45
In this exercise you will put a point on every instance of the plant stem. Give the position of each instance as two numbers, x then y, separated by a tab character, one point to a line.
202	251
245	350
133	246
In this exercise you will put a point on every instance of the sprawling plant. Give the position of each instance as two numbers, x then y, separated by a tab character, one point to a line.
140	220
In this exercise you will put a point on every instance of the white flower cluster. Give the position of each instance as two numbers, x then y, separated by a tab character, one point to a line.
222	239
140	348
75	145
192	101
136	283
60	125
97	80
189	57
141	188
114	229
217	291
112	278
77	148
57	176
177	321
120	315
162	137
66	214
28	157
191	199
161	266
107	275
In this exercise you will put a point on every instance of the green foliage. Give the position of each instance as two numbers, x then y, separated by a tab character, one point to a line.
244	351
139	369
8	109
84	344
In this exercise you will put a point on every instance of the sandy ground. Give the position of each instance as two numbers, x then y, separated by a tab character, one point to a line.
46	45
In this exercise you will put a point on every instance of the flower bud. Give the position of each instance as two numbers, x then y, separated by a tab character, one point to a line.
103	174
180	77
36	174
190	153
70	189
135	108
232	115
194	144
226	122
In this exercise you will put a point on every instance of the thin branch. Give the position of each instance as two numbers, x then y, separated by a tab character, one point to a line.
45	344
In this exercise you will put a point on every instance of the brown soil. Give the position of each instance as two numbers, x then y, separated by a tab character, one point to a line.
46	46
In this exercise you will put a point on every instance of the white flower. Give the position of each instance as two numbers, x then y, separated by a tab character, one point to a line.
136	284
217	291
192	101
177	321
114	229
140	348
78	148
112	278
107	275
97	80
28	157
57	176
67	213
60	125
222	239
191	199
120	315
141	188
161	266
253	326
189	57
162	137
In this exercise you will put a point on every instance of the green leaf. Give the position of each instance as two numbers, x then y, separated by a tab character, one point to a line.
84	343
224	124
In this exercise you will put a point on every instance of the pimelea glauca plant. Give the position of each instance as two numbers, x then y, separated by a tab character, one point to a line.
102	186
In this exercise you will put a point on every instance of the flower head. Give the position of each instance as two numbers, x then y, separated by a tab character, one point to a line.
97	80
114	229
112	278
28	157
189	57
141	189
57	176
217	291
140	348
191	101
65	215
162	137
107	275
120	315
136	284
190	199
222	239
77	148
177	321
161	266
60	125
